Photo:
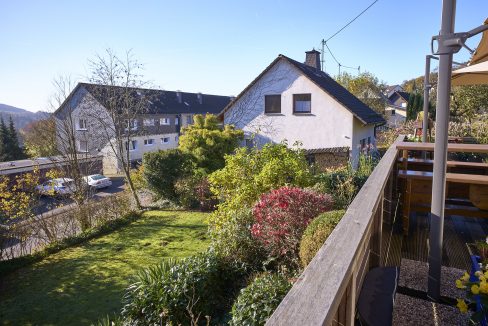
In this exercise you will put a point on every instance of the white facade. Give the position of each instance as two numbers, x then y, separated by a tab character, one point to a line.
395	115
329	123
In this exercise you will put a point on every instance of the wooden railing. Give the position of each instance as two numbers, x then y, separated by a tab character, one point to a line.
327	291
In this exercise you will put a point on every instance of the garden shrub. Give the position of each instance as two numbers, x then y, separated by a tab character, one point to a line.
282	215
170	292
185	191
208	142
251	172
344	183
316	233
256	303
233	239
194	193
163	168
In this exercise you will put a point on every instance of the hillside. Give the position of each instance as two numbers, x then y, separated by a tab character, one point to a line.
20	116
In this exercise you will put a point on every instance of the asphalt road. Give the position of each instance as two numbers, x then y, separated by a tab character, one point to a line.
51	204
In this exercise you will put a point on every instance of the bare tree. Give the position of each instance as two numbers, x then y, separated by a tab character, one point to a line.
75	161
118	85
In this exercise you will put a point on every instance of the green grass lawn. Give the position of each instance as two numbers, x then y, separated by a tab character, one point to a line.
79	285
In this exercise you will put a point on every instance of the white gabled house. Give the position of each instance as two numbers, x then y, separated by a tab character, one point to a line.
298	102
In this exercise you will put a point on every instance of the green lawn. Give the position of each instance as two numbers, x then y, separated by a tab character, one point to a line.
78	285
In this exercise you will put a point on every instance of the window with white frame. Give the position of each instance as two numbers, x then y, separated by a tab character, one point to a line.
148	142
131	145
176	138
132	124
302	103
177	120
82	124
189	119
148	122
83	146
164	121
165	140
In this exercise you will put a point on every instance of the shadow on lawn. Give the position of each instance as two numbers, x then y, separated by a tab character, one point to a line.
81	284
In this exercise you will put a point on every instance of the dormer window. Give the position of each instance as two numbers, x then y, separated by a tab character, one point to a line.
302	103
272	104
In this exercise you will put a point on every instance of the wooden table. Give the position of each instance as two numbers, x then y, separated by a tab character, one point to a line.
423	179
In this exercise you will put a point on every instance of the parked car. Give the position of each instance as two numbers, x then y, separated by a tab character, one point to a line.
98	181
58	186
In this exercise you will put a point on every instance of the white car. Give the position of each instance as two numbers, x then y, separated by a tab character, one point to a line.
98	181
58	186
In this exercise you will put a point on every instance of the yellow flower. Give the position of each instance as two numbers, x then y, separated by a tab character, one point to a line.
465	277
475	289
460	284
484	287
486	274
463	307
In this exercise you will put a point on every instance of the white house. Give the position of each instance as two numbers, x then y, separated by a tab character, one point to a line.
155	127
298	102
396	109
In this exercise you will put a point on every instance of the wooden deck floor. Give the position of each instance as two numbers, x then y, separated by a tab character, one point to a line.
458	231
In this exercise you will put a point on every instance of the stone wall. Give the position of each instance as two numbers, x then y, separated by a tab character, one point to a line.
328	158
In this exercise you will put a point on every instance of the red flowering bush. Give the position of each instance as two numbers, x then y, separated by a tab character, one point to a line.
282	215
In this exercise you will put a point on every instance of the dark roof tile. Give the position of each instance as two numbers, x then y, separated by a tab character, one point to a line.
166	102
337	91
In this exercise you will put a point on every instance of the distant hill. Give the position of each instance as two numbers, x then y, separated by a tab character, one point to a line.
20	116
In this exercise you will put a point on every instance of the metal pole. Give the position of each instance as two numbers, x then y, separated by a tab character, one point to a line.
425	123
440	155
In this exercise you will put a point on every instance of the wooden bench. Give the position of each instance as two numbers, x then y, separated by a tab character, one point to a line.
418	194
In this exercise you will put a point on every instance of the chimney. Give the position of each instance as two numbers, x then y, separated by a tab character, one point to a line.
312	59
178	95
200	98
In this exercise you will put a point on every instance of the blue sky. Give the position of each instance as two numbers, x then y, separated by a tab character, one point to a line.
214	47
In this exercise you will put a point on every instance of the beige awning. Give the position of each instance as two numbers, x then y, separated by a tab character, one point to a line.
472	75
481	53
476	73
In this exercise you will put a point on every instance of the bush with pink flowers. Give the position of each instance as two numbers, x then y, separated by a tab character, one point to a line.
280	218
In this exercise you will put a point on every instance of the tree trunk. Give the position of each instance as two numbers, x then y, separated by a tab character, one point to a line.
132	188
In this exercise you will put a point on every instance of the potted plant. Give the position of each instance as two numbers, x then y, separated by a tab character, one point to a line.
476	284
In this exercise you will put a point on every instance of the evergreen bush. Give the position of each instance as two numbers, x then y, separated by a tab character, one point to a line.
316	233
256	303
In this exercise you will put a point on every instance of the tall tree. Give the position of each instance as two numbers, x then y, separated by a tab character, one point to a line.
467	101
16	152
366	87
3	141
77	163
126	100
40	138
